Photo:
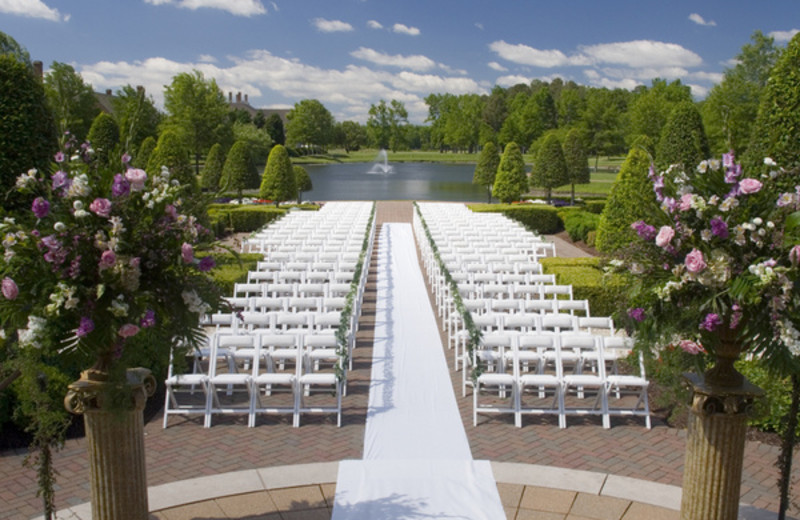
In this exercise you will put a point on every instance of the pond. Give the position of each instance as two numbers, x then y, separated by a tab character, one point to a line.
402	181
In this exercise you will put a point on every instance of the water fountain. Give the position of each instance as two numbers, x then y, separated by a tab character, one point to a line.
381	165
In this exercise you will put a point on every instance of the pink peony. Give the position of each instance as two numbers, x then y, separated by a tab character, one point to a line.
748	186
695	262
691	347
101	207
10	289
136	178
107	259
686	202
664	236
128	330
187	253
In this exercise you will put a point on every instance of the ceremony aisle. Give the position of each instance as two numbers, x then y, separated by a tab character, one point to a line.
417	461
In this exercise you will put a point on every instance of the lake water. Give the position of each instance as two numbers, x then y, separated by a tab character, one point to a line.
406	181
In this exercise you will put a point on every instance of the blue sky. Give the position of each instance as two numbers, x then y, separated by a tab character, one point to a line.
350	54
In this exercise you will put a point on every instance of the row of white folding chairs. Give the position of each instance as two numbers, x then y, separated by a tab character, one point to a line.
506	361
278	262
277	290
526	323
278	246
317	301
250	364
299	275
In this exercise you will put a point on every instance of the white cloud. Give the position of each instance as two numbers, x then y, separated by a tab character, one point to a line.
699	20
526	55
31	9
207	58
784	36
329	26
496	66
416	62
404	29
374	24
479	25
274	6
698	91
713	77
428	83
513	79
642	53
235	7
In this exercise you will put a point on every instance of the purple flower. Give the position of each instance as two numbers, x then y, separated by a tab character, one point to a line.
148	320
10	289
728	159
719	227
101	207
126	158
206	263
86	326
711	322
61	180
637	314
59	157
644	230
121	186
40	207
736	317
748	186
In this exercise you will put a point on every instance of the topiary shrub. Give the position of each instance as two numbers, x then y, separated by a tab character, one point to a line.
212	169
511	181
538	218
631	199
241	219
578	224
683	139
278	181
606	292
144	153
237	169
104	138
171	152
595	206
550	169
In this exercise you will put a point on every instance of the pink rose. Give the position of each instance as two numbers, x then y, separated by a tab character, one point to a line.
10	289
748	186
128	330
695	261
664	236
136	178
101	207
686	202
187	253
691	347
107	259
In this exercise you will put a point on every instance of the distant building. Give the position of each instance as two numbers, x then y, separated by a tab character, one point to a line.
244	104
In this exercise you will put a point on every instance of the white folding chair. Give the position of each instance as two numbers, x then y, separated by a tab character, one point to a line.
233	383
314	389
630	390
180	398
499	387
272	392
578	403
548	396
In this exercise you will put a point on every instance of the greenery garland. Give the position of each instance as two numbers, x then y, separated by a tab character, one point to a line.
347	312
475	334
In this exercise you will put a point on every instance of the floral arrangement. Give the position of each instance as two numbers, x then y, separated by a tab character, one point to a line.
103	265
718	261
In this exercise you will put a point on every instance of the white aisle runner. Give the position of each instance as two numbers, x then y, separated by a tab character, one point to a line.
417	462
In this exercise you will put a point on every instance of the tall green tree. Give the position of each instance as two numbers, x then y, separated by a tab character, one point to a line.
137	117
310	124
170	151
27	130
302	181
10	46
211	174
683	140
631	199
577	160
274	127
197	109
351	136
145	151
511	180
278	181
104	138
732	105
71	99
386	124
494	114
650	108
550	168
604	119
237	169
259	143
486	169
776	133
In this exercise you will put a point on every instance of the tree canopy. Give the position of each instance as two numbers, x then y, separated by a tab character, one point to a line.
386	124
550	168
237	169
683	139
576	159
310	124
511	180
137	117
71	99
486	169
302	181
278	182
211	174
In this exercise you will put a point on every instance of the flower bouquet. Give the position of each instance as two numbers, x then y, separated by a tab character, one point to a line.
103	266
716	266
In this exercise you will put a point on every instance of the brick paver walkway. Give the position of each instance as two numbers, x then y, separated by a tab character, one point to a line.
186	450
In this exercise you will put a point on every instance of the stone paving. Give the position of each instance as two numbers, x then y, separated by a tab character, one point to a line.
187	450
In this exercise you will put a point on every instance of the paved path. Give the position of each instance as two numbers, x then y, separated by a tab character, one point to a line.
186	450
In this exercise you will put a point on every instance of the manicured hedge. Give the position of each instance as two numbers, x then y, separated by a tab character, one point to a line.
229	270
595	206
233	218
579	223
539	218
606	293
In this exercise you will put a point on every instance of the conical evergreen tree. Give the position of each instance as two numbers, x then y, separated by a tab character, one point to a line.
631	199
212	169
511	180
144	153
683	140
278	182
550	169
486	169
104	137
577	160
302	181
235	170
171	152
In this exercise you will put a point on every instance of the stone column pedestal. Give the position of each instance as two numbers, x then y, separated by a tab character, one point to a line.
715	449
115	441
